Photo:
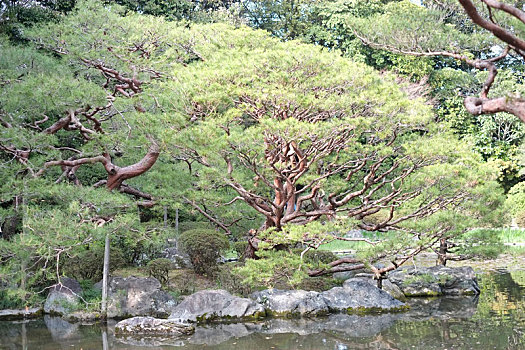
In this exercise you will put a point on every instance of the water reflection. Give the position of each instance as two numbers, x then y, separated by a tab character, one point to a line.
495	320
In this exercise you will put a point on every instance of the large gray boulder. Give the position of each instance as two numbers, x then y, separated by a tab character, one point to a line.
210	305
436	280
152	326
388	286
138	296
291	302
359	296
63	297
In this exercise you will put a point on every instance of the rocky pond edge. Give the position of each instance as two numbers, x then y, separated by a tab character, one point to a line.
146	309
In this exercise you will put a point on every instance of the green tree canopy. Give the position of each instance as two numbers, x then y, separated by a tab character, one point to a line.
293	142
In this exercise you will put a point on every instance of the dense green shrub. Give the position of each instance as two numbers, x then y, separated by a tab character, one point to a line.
286	270
515	203
240	248
10	300
319	257
89	264
160	268
274	269
520	218
18	299
144	244
229	278
91	295
318	284
482	243
204	248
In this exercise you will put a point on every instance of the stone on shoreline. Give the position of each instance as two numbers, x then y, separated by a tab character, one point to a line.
356	296
209	305
435	280
359	296
63	298
138	296
18	314
153	326
388	286
291	302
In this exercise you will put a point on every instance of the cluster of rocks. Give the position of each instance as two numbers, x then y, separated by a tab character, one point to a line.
148	306
127	297
355	296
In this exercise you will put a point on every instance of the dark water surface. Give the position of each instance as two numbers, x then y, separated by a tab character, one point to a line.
494	320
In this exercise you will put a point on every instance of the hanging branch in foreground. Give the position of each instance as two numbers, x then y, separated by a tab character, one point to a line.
482	104
474	105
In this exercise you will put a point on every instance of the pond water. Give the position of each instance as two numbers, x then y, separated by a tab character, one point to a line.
494	320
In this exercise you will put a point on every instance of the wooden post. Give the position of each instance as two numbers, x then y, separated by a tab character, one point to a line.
165	216
105	274
443	250
177	220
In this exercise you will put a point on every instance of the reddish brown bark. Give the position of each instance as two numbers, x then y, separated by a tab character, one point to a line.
512	105
116	174
498	31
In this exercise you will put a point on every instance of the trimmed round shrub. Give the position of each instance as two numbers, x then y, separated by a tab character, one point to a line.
319	257
204	247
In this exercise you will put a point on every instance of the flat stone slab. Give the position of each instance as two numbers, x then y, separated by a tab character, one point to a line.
153	326
83	316
18	314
